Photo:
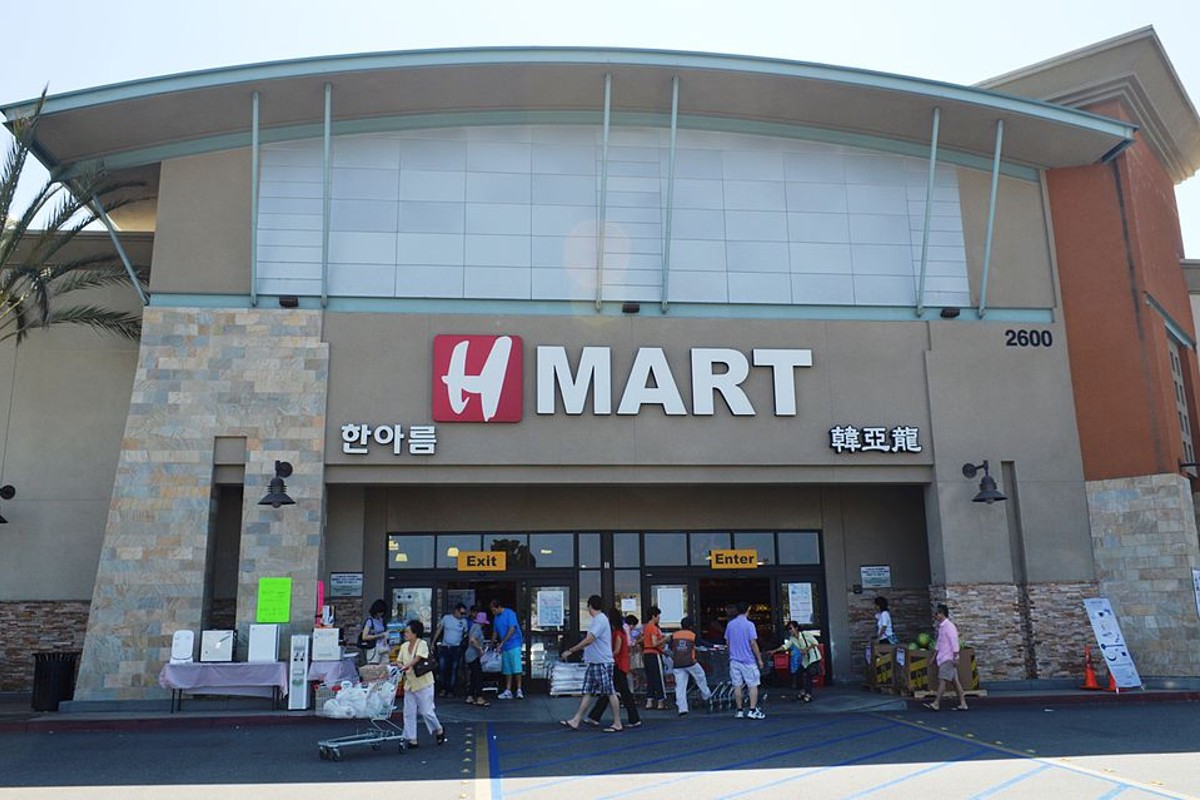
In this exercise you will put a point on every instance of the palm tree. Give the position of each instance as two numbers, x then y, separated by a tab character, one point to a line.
36	273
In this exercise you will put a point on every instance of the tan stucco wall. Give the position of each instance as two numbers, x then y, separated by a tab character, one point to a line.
1019	273
202	243
64	396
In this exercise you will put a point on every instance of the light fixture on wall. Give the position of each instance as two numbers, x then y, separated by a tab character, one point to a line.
988	493
631	308
7	492
277	491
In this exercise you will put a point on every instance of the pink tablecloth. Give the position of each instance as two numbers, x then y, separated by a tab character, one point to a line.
260	679
332	672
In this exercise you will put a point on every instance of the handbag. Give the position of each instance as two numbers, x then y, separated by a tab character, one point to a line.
422	667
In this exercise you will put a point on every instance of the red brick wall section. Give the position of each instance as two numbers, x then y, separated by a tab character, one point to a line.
910	611
1105	280
28	627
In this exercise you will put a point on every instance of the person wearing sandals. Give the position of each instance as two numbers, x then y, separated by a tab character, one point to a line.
620	645
652	644
475	640
945	660
598	676
418	689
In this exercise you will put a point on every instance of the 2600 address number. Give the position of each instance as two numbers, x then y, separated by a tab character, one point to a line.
1028	338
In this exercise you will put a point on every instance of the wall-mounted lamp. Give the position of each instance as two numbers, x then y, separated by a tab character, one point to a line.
289	301
631	308
7	492
950	312
988	493
277	491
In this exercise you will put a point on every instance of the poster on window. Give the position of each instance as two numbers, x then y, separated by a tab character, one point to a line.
1112	643
800	603
550	608
1196	582
670	602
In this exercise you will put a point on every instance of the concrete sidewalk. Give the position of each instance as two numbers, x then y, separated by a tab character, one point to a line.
16	714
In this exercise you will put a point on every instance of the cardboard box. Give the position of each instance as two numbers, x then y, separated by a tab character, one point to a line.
881	666
916	675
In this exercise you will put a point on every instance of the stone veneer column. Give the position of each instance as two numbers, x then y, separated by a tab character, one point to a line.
203	373
988	618
1145	545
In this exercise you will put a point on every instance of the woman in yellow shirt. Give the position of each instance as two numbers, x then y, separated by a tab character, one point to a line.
418	689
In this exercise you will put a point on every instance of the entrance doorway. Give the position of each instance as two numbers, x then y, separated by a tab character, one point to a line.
714	594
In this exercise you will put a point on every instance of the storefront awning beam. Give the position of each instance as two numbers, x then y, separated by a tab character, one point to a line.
254	199
112	234
933	146
987	246
326	191
603	210
666	265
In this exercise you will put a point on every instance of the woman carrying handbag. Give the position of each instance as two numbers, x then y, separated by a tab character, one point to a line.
417	669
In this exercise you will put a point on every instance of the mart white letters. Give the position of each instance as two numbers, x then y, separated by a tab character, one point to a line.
651	381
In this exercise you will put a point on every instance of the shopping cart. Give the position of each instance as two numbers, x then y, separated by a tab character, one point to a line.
378	703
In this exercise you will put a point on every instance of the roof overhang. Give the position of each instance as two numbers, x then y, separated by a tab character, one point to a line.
138	124
1133	69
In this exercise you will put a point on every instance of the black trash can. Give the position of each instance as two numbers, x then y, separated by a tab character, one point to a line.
53	679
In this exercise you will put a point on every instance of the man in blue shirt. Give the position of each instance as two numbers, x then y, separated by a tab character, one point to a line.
507	631
745	660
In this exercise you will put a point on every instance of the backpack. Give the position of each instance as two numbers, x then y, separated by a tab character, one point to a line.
683	652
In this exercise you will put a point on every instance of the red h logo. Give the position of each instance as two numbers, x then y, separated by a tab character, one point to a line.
477	378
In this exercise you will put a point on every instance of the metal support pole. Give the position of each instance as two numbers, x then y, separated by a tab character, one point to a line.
326	193
603	194
933	145
254	199
987	246
666	267
112	234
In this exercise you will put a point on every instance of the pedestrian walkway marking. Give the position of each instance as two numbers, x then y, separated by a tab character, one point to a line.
1062	763
484	789
1000	787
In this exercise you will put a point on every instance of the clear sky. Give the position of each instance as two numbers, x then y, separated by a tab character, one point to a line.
71	44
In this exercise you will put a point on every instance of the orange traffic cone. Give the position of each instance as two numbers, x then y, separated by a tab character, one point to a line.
1112	683
1089	671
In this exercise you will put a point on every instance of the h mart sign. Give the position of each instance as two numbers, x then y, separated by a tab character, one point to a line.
482	561
479	379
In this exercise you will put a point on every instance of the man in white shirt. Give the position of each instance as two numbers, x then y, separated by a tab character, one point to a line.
598	678
448	638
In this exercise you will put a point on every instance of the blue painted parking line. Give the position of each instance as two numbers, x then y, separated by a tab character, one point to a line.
1115	791
978	751
819	770
1000	787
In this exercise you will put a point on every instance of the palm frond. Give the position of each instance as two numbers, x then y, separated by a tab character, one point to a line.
127	326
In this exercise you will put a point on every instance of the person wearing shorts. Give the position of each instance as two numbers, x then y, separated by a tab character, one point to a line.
945	659
745	660
598	675
507	631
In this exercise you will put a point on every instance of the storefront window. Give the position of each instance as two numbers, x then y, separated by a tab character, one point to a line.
764	543
410	551
799	547
589	584
589	550
672	601
627	550
449	545
627	586
515	544
666	549
413	603
552	549
702	543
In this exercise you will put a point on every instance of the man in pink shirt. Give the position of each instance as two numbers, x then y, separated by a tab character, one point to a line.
945	659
